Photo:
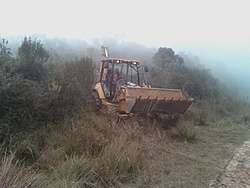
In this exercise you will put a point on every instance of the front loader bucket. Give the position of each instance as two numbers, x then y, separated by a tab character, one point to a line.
149	101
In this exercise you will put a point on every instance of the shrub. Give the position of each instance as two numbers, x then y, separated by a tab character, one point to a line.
31	98
76	85
184	132
170	72
32	56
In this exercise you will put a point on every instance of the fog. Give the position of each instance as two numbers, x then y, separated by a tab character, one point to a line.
217	32
230	65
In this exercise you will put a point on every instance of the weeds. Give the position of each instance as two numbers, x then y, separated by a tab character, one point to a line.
97	155
246	118
74	170
92	153
184	132
120	162
81	138
12	174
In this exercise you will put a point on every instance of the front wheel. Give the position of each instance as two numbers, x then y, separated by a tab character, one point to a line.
112	111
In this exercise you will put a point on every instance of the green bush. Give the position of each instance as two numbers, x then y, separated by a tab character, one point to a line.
35	95
171	72
31	57
76	83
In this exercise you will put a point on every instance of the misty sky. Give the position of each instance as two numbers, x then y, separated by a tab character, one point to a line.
214	29
152	22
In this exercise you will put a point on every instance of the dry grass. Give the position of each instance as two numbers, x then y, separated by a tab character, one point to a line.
94	155
14	175
74	171
135	153
184	132
193	164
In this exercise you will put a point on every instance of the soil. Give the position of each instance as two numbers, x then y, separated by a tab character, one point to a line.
236	173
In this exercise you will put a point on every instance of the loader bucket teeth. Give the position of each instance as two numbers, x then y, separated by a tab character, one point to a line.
156	101
154	106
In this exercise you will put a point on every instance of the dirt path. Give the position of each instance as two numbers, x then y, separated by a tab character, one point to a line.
237	172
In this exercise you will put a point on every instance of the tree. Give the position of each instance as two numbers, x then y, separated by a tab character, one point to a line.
32	56
5	53
7	62
166	57
167	62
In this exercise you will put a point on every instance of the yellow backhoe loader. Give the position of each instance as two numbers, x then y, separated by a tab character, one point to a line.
121	91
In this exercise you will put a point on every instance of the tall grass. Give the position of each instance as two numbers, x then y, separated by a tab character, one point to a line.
14	175
74	172
90	152
184	132
94	154
120	162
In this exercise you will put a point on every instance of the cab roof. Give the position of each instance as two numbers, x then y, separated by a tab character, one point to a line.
119	60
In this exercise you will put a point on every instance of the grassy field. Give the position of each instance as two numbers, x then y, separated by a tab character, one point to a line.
191	155
193	164
92	152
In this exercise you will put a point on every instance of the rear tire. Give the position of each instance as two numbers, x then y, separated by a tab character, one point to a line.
96	103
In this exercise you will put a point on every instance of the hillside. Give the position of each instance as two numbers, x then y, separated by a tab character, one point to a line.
50	137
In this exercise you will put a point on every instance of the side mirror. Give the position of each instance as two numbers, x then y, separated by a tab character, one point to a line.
106	65
146	68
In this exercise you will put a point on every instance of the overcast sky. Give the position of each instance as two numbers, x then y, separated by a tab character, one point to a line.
151	22
217	29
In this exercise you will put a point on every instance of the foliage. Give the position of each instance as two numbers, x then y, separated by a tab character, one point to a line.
23	111
75	80
44	117
171	72
32	56
17	107
7	64
5	55
202	84
34	95
166	61
166	57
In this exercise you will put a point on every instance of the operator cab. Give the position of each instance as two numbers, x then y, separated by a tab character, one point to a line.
116	72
